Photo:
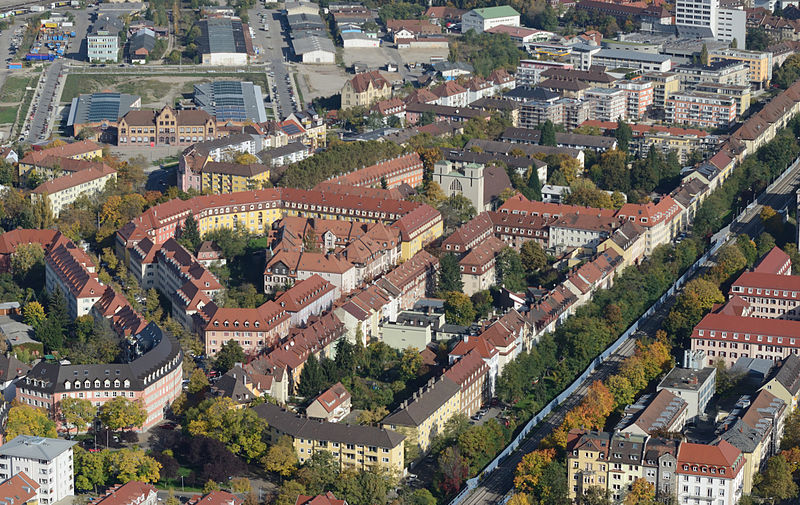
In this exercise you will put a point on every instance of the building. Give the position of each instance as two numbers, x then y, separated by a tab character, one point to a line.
695	386
63	191
332	405
522	35
413	330
768	295
314	49
353	447
699	19
215	498
100	110
759	64
405	169
664	85
529	71
784	381
426	414
285	155
608	104
322	499
81	150
131	493
70	270
639	94
364	89
721	72
102	44
587	461
141	44
580	230
224	41
710	470
480	184
307	298
40	456
741	94
471	373
486	18
478	266
662	413
634	60
19	490
165	127
226	177
238	101
706	110
154	378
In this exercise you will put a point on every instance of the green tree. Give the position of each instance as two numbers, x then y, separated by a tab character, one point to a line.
458	308
26	420
90	469
281	458
704	55
509	269
312	378
198	382
25	259
449	274
122	413
288	493
33	314
77	412
764	244
532	256
240	430
623	134
190	234
776	483
410	363
456	211
229	354
128	465
547	134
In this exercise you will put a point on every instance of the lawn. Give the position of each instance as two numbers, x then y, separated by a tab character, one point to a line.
8	115
176	483
14	88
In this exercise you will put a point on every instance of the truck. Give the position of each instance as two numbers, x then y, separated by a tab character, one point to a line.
36	8
40	57
13	66
72	34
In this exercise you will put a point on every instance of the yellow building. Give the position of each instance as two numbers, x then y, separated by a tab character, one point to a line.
587	461
418	228
785	382
629	241
355	447
364	89
425	415
221	177
83	150
759	64
664	85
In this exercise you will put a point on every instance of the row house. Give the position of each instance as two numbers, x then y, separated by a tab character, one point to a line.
412	279
125	321
515	230
286	268
710	472
83	150
762	126
365	311
488	353
417	229
580	231
309	297
628	241
253	329
405	169
390	107
470	372
478	266
552	310
10	240
450	94
468	235
69	269
784	381
596	274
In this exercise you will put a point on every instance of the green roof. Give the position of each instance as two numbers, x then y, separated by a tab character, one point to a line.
496	12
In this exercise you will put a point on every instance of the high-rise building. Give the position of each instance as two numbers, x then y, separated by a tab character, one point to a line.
704	19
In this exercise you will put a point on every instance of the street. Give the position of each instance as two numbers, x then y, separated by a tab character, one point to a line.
275	48
43	104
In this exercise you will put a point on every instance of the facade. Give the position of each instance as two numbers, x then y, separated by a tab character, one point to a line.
254	329
81	150
471	373
225	177
759	64
406	169
39	456
784	382
768	295
608	104
332	405
639	96
63	191
364	89
478	266
707	110
352	446
714	471
165	127
664	85
309	297
707	20
636	60
99	110
103	45
486	18
727	337
70	270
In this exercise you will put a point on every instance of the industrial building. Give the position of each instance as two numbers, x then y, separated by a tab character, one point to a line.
231	100
224	41
100	110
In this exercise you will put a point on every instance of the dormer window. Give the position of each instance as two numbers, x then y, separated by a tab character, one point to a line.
107	383
116	383
127	383
67	385
77	384
97	383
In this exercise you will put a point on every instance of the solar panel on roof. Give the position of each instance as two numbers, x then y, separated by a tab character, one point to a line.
291	129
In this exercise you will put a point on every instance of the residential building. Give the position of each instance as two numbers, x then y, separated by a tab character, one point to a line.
694	385
411	330
426	414
131	493
481	20
332	405
224	41
102	44
287	267
354	447
19	490
759	63
625	463
165	127
608	104
81	150
50	459
364	89
222	177
478	266
784	381
639	97
309	297
660	460
587	461
769	295
710	471
775	262
529	71
741	94
70	270
664	84
215	498
254	329
405	169
580	230
471	373
635	60
468	235
63	191
285	155
154	378
321	499
706	110
720	72
652	414
451	94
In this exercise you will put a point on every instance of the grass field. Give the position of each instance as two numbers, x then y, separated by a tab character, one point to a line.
152	88
8	115
14	88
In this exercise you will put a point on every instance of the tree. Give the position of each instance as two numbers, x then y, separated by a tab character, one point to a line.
229	354
312	378
90	469
190	234
704	55
764	244
27	420
198	382
319	472
623	134
453	469
547	135
245	159
791	431
289	492
529	470
281	458
458	308
532	256
449	274
456	211
33	314
621	388
25	259
128	465
510	272
77	412
240	430
594	495
311	241
757	39
410	363
420	497
122	413
85	133
641	493
776	481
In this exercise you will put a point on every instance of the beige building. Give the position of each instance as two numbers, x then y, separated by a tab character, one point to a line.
64	190
587	461
426	414
364	89
354	447
477	267
785	382
331	405
664	85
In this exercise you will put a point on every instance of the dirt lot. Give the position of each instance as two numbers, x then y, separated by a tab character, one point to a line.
421	55
320	80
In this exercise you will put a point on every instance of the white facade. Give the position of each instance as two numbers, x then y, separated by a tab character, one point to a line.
319	56
705	19
225	59
481	20
102	46
345	281
66	196
711	490
608	104
48	461
77	306
732	24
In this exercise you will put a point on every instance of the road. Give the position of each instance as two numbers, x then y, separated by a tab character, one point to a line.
497	484
275	49
43	103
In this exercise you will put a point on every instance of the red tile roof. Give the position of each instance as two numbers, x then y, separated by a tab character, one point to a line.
481	256
747	329
333	397
699	459
758	280
360	82
65	151
73	179
410	270
373	174
216	498
449	88
479	344
304	293
466	367
774	262
415	26
18	489
127	494
416	220
11	239
321	499
69	262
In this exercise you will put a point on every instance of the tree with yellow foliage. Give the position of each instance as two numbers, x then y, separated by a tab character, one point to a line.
641	493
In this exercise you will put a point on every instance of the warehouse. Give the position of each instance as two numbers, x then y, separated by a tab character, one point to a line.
231	100
99	110
314	50
224	41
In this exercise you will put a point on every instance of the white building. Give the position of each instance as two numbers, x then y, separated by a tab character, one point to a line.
709	474
64	190
483	19
102	45
635	60
704	19
46	460
608	104
314	49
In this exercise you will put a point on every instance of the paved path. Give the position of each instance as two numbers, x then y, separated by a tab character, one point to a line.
44	103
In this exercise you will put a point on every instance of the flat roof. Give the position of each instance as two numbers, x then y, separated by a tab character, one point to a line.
221	35
622	54
100	106
683	378
231	100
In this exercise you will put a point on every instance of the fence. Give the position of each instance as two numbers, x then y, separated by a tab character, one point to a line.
717	241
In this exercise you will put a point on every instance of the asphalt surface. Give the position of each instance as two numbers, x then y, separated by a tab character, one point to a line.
498	483
44	104
275	50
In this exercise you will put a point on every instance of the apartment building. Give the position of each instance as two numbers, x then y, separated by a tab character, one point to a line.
426	413
636	60
62	191
406	169
664	84
759	64
639	97
693	384
587	461
70	270
226	177
41	159
608	104
253	329
706	110
287	267
741	94
720	72
625	463
471	373
769	295
710	471
364	89
47	461
471	233
131	493
580	230
784	381
478	266
307	298
354	447
154	378
165	127
451	94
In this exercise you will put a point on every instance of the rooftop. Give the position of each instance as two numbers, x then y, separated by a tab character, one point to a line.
29	447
